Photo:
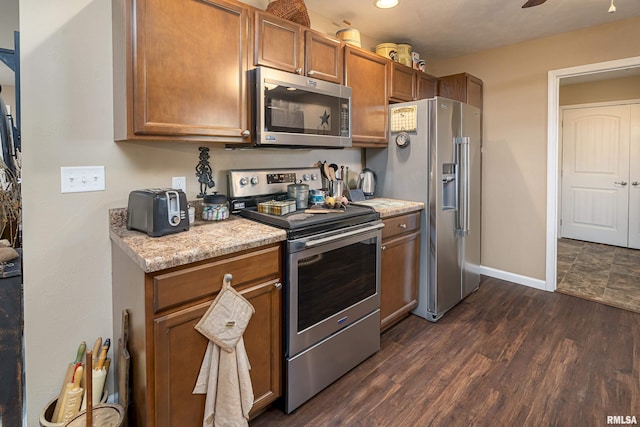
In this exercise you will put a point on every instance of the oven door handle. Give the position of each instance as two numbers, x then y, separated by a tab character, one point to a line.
340	236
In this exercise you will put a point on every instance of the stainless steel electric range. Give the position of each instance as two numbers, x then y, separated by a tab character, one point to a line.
332	300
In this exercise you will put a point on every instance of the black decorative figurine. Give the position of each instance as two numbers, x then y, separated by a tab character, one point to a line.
204	172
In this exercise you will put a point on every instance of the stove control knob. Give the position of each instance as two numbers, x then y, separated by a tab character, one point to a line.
243	181
305	177
254	180
314	177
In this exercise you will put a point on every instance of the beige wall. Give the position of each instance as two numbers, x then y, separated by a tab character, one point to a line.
515	134
67	121
601	91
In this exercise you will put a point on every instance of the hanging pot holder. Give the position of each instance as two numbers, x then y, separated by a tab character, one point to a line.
226	318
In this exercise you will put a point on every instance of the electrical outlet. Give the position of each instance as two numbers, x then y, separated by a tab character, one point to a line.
179	183
79	179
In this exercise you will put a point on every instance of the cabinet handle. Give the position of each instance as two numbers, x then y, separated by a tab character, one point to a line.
311	73
635	183
246	134
383	248
623	183
402	225
298	70
278	285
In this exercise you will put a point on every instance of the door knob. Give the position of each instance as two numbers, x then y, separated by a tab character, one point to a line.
245	133
623	183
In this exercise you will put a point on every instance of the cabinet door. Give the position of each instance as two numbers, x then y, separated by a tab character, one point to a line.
403	82
426	85
189	69
461	87
277	43
180	350
367	75
263	341
178	355
323	57
399	278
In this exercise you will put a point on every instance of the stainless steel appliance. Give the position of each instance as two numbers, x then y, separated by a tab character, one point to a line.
332	317
434	157
158	211
367	182
294	110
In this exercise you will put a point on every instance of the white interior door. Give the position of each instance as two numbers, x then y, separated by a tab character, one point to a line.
634	179
595	174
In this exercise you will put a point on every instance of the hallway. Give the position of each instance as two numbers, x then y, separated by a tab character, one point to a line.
602	273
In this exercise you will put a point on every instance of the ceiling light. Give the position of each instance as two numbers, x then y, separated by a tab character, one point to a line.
386	4
612	8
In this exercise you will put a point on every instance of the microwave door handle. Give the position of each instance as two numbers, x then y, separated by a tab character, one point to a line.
340	236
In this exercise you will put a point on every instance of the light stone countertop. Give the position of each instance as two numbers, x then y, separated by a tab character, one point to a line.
209	239
203	240
392	207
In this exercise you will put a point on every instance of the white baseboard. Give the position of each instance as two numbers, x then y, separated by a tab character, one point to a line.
512	277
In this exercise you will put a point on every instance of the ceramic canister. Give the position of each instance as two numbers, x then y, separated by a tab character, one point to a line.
349	35
388	50
404	54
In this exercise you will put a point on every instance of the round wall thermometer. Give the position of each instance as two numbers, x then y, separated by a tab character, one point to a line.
402	139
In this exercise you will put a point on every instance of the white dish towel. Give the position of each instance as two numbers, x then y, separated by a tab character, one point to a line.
224	374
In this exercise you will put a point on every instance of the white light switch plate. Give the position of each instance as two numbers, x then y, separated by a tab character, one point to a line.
78	179
179	183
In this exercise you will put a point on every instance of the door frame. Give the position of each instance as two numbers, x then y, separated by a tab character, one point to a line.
553	120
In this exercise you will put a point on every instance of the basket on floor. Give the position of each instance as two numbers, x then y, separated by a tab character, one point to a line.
291	10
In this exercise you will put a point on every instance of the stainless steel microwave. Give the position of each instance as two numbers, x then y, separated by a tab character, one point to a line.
290	110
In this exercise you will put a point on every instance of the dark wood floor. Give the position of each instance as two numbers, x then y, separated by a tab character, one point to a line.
508	355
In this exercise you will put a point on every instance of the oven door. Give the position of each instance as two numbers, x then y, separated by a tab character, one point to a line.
333	281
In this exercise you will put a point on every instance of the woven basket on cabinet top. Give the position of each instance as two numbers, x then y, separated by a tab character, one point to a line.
291	10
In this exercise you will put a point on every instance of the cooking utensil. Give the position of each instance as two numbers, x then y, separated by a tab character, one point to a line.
333	167
342	172
67	379
73	397
325	170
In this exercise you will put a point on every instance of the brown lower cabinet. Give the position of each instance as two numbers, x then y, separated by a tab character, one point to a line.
400	267
166	350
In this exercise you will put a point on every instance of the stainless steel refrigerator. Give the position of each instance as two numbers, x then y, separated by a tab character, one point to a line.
434	157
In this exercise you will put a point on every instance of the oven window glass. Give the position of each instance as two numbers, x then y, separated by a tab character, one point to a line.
331	281
295	110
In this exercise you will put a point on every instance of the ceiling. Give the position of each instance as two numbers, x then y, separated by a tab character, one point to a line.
448	28
435	28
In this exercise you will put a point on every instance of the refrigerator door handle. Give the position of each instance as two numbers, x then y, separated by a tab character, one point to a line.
462	154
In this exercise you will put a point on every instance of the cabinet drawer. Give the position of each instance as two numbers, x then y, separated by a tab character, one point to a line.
204	280
400	224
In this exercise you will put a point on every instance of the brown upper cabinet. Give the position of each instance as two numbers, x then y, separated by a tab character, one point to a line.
290	47
367	74
180	70
278	43
323	57
461	87
426	85
408	84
